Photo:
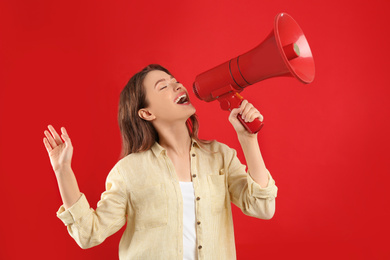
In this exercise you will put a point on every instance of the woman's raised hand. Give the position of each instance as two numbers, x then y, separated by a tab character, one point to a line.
60	152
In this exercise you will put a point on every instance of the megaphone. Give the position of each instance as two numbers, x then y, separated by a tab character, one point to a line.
285	52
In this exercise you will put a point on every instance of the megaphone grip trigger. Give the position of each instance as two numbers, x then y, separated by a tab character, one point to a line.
239	96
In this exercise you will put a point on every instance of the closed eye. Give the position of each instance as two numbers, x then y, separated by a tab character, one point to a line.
167	86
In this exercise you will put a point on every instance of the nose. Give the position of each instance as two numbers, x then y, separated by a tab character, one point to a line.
177	86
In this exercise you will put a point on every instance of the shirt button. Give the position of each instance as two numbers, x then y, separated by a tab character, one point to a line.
193	175
193	155
198	222
197	198
199	247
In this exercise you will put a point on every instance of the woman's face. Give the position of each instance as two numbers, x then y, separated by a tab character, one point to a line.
168	99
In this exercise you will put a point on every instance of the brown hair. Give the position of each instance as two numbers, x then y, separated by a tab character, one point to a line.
139	135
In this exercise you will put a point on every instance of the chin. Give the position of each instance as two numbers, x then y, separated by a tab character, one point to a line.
194	110
191	114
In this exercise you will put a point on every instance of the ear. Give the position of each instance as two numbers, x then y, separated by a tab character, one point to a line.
146	114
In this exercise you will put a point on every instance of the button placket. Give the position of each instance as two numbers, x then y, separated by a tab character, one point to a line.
175	181
197	197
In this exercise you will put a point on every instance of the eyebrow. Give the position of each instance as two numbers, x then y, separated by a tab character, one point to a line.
160	80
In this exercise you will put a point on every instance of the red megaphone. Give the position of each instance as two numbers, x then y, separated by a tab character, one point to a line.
285	52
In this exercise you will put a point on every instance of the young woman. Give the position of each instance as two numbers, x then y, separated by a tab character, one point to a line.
173	190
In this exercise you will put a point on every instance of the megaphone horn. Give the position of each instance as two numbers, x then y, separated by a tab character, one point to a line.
285	52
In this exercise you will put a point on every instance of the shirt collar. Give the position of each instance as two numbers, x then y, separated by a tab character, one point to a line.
157	149
194	142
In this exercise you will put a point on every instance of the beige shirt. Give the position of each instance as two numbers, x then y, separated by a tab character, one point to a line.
143	190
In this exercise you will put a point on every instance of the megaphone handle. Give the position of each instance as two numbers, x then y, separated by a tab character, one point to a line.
252	127
233	100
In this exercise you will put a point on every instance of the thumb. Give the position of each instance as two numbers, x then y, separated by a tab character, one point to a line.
235	112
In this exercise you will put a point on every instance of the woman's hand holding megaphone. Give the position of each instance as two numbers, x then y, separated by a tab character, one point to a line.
247	115
244	115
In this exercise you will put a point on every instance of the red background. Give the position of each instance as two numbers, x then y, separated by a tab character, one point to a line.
326	143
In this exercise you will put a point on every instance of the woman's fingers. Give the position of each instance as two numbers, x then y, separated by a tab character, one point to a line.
253	114
249	112
261	117
242	106
50	139
249	117
246	108
65	136
47	145
56	136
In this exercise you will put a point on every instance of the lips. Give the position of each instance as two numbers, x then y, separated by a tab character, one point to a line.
182	98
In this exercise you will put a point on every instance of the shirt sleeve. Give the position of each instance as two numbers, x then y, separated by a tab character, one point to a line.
245	193
90	227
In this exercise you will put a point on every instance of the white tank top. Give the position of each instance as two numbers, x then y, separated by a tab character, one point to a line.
189	232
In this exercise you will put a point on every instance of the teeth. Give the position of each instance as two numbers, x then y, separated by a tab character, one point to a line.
181	97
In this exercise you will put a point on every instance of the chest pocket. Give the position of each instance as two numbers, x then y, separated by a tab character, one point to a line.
151	207
218	188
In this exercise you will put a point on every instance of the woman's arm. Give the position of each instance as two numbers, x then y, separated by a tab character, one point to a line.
60	154
249	143
88	227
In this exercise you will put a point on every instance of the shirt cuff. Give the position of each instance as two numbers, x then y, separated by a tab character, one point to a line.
75	212
256	190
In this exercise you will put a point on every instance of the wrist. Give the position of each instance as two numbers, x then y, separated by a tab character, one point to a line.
62	170
246	137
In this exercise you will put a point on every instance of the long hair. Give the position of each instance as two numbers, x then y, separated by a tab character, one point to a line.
139	135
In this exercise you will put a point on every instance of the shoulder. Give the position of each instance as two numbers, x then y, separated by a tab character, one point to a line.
216	147
217	153
133	161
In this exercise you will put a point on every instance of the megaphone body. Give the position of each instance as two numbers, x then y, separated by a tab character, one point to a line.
285	52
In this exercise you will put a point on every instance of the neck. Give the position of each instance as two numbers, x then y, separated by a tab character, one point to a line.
174	138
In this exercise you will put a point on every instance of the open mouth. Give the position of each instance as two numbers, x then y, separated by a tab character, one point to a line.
182	99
